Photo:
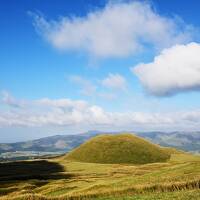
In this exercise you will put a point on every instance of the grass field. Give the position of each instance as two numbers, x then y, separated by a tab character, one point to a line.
58	179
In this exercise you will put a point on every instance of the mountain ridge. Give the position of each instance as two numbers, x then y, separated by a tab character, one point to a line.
187	141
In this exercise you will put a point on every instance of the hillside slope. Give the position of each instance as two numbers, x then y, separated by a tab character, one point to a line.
59	178
120	148
59	144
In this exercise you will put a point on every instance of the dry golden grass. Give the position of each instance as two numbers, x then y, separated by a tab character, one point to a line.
61	178
91	180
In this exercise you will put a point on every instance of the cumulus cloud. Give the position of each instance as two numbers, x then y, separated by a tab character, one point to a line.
71	114
115	81
61	112
117	30
176	69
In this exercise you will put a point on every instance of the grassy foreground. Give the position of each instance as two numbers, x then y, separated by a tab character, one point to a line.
179	178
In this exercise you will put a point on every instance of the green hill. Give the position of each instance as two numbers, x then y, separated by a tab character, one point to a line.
120	148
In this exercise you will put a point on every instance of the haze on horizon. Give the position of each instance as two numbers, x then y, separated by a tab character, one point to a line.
67	68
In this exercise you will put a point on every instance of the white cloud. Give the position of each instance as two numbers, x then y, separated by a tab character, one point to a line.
119	29
72	114
110	96
58	112
115	81
62	103
175	70
98	88
9	100
87	87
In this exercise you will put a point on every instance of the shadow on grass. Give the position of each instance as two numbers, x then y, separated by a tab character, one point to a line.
25	170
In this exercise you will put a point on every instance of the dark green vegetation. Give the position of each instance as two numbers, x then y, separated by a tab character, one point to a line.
187	141
120	148
26	170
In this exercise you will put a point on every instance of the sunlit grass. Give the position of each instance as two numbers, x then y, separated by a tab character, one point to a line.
179	178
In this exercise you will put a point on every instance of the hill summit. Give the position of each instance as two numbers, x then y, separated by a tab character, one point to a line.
120	148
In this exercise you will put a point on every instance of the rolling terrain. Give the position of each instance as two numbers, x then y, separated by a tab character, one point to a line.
178	177
59	144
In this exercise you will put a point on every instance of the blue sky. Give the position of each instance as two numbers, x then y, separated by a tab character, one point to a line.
68	67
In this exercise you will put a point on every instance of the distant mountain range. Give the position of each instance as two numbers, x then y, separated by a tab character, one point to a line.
187	141
52	145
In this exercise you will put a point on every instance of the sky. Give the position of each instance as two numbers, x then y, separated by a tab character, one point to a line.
67	67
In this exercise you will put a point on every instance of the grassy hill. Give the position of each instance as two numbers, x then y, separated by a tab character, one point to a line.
120	148
146	172
59	144
61	179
